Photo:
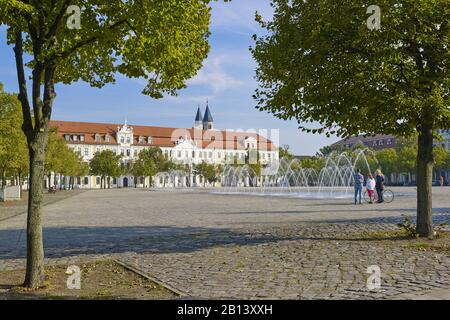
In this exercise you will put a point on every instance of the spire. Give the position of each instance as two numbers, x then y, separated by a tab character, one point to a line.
208	117
198	117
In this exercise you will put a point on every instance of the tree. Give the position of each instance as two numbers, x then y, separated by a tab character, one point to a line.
284	152
388	161
207	171
150	161
319	62
13	149
163	42
327	150
407	157
105	164
441	159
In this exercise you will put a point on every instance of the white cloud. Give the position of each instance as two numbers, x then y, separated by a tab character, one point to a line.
239	14
214	76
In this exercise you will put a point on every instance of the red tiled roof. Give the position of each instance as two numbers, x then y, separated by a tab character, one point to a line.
161	136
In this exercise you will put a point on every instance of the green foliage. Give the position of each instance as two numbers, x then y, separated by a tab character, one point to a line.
105	164
407	157
408	227
13	144
149	162
163	42
441	158
208	171
320	63
388	160
285	153
60	158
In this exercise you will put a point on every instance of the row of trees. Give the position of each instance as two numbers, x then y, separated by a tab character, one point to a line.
60	159
394	162
149	162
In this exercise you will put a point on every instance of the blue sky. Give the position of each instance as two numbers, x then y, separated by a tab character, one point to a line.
226	80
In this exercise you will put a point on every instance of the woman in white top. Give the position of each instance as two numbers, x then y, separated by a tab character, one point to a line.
370	186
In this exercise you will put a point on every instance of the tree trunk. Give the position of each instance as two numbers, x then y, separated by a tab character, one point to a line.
424	182
34	276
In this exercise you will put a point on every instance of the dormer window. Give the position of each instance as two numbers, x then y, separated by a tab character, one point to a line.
97	138
67	136
150	140
107	139
141	140
82	138
75	137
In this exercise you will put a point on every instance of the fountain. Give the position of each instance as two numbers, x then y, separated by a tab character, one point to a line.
288	178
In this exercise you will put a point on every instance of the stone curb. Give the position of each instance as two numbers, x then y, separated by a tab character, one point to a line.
181	294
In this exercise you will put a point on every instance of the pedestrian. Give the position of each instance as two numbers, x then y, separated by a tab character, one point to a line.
441	181
359	181
379	185
370	186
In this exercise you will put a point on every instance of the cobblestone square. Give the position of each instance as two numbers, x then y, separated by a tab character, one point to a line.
234	246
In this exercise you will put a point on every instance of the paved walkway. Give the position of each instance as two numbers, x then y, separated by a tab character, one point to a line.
222	246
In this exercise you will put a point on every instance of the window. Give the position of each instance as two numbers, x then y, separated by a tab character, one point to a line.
86	180
141	140
79	151
150	140
122	139
75	137
380	143
97	149
135	153
128	152
97	138
389	141
97	180
128	140
86	152
179	154
219	155
193	154
67	137
107	139
82	138
210	154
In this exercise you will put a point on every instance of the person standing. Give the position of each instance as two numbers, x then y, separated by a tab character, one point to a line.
379	185
359	180
370	186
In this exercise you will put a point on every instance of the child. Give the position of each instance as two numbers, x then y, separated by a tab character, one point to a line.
370	186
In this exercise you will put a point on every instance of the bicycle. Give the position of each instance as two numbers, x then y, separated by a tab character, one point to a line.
388	196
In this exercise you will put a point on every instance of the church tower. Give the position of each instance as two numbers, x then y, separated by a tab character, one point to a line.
198	124
208	122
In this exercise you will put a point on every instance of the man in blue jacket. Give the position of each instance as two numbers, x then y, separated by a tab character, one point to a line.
359	181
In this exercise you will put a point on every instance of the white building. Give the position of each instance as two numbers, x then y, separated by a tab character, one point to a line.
201	143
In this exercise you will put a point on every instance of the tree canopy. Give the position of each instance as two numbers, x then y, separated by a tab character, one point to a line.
320	63
13	148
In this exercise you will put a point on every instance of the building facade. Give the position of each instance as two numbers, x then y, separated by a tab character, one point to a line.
189	146
377	142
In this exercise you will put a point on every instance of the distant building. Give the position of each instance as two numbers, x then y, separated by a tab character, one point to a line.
377	142
188	146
